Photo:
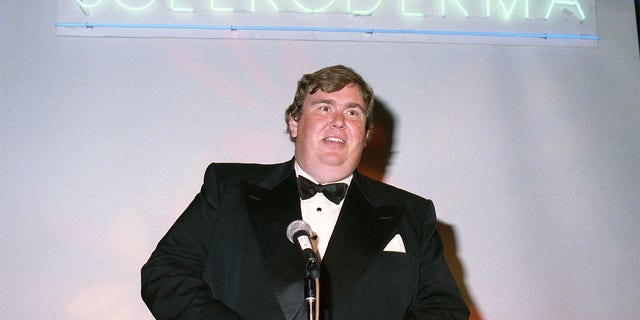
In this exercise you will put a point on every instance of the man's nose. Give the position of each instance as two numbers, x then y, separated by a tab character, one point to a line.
338	120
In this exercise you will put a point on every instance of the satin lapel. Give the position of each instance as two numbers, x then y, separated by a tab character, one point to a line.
271	211
361	232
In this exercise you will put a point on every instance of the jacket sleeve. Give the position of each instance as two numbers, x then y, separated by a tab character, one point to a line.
172	284
438	296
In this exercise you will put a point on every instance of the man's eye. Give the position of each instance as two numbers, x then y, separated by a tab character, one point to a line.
324	108
353	112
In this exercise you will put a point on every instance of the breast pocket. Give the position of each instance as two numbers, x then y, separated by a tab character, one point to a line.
388	286
396	272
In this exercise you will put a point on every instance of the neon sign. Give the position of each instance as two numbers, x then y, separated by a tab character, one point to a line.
542	22
351	8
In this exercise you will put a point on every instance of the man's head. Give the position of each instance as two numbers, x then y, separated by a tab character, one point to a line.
329	79
330	120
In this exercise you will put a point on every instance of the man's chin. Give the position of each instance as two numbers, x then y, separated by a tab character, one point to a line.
339	163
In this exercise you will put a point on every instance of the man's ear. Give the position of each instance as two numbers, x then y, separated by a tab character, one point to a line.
368	136
293	127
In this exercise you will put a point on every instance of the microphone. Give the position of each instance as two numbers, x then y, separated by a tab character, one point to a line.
299	233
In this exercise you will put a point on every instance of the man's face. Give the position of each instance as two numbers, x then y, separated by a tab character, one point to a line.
330	134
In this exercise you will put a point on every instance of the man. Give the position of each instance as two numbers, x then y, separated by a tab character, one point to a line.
227	256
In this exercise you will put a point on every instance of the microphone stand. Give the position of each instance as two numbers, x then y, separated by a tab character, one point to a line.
312	289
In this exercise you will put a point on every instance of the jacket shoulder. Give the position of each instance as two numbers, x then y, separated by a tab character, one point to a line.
229	169
379	192
247	172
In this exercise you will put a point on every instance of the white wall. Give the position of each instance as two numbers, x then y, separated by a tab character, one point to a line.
531	154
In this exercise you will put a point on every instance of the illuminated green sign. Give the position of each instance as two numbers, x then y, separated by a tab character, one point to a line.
543	22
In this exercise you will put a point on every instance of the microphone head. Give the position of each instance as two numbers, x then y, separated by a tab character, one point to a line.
297	226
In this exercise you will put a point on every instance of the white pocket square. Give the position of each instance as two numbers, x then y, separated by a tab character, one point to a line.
395	245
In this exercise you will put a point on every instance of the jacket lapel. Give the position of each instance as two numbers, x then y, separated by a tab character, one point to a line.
272	204
362	230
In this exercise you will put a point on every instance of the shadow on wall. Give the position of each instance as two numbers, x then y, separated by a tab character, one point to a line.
637	2
375	160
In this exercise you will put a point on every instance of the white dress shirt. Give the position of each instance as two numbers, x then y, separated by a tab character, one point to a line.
320	213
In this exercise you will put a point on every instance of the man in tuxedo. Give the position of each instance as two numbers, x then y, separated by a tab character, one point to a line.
227	256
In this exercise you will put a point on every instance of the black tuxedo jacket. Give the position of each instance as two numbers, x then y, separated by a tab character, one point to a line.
228	257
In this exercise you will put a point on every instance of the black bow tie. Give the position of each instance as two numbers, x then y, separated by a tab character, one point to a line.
335	192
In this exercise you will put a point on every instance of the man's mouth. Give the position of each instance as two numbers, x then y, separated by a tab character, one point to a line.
334	139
